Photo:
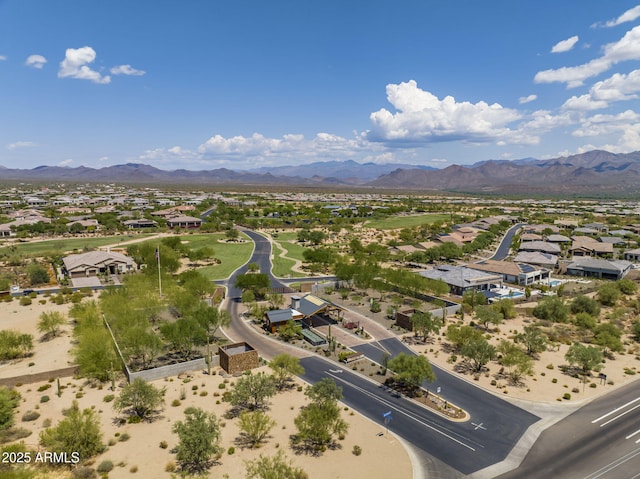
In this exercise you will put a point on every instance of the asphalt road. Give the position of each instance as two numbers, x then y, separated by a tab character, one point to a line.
599	441
446	449
499	423
505	245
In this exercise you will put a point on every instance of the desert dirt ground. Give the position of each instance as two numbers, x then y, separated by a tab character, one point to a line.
142	452
142	456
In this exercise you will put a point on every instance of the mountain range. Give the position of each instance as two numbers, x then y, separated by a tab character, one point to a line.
590	173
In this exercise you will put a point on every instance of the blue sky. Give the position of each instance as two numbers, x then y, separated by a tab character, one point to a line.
242	84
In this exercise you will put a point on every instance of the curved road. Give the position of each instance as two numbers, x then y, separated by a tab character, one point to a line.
448	449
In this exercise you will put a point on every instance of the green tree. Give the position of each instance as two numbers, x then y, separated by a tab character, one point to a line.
37	274
585	321
255	282
255	427
506	308
587	358
211	319
184	335
585	304
474	298
318	422
412	370
517	361
274	467
50	323
140	344
199	440
479	352
284	368
486	315
626	286
608	294
553	309
459	335
94	354
276	300
608	336
9	400
425	324
533	340
252	391
140	399
290	331
78	432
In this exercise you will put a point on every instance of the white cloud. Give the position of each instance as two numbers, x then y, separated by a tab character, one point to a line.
565	45
422	118
600	125
438	160
627	48
628	16
618	87
126	70
21	144
67	162
527	99
75	63
3	57
35	61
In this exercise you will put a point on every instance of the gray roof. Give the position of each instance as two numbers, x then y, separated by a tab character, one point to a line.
276	316
600	264
612	240
310	305
460	276
543	246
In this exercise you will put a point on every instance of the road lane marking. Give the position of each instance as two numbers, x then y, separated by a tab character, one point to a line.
399	410
478	426
612	465
619	416
632	434
615	410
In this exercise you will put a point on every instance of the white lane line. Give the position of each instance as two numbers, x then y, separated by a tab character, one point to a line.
612	465
632	434
619	416
615	410
395	407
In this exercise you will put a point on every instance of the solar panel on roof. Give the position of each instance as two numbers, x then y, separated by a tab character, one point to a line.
527	268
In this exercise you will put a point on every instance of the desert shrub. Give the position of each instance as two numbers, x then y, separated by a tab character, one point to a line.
30	416
356	451
44	398
566	396
25	301
105	466
109	398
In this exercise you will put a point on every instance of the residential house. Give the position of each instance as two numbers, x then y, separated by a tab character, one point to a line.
97	262
513	272
629	255
310	305
184	221
537	258
599	268
540	246
587	246
557	238
461	278
276	318
140	224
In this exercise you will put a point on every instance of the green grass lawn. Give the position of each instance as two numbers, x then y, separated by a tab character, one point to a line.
397	222
282	266
43	248
231	255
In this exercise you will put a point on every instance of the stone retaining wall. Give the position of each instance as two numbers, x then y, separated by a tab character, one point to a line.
172	369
